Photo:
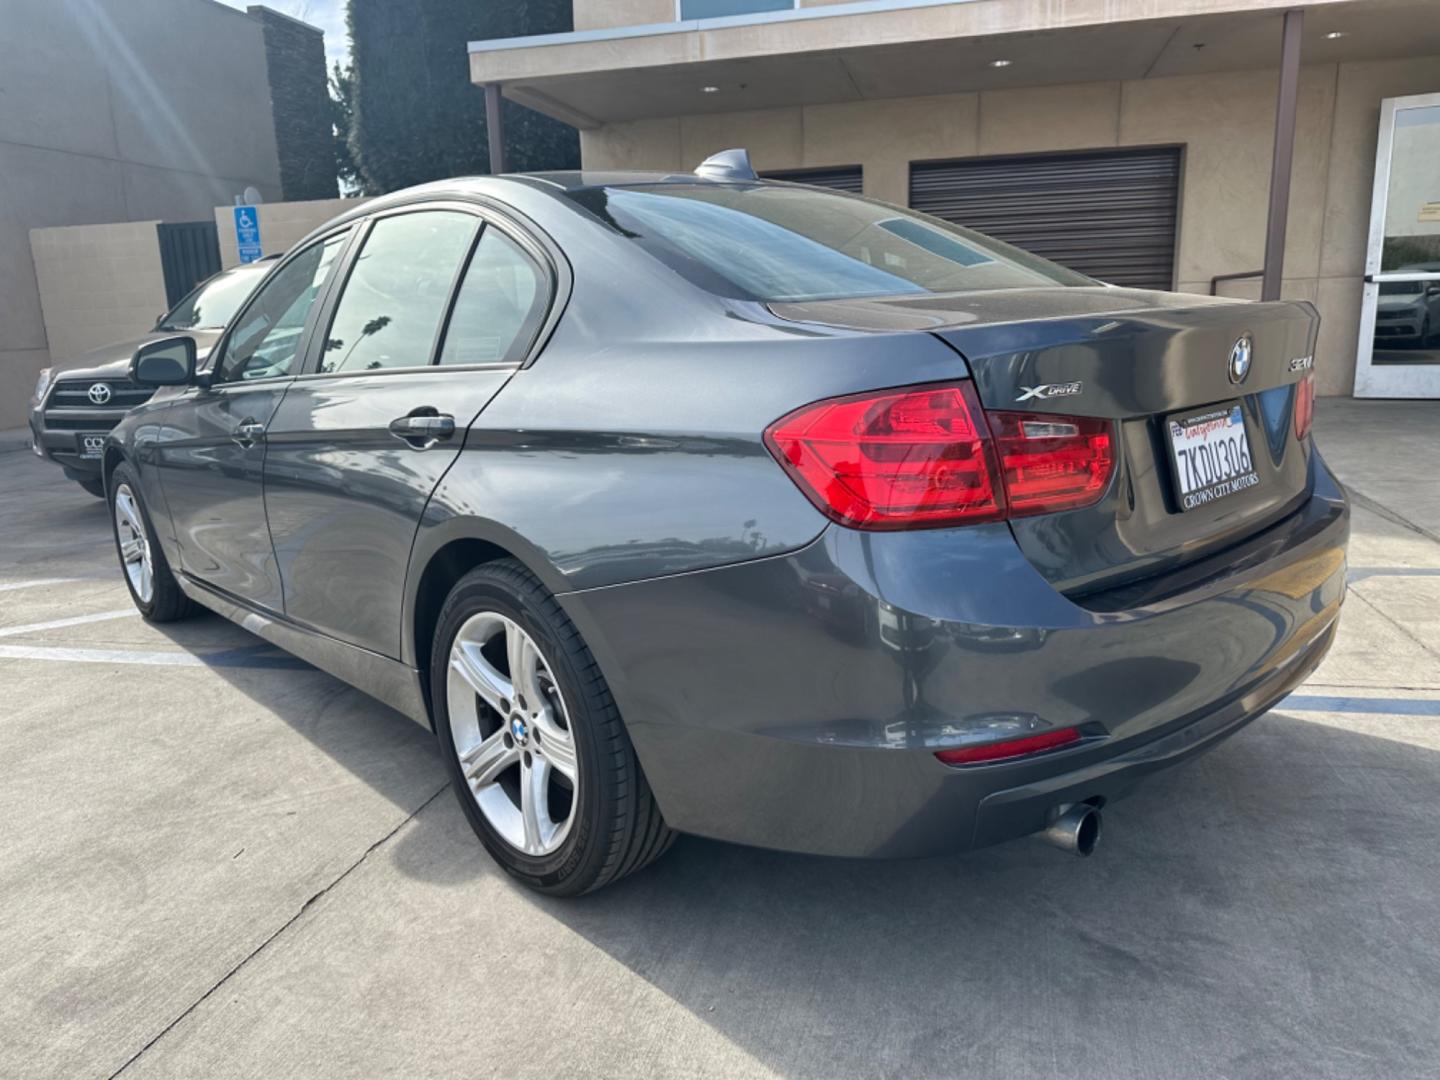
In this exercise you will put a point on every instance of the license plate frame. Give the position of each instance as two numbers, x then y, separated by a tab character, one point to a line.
90	445
1200	477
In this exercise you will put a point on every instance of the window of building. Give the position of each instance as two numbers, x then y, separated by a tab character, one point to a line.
714	9
397	292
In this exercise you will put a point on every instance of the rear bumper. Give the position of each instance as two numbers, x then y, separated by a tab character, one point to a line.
796	702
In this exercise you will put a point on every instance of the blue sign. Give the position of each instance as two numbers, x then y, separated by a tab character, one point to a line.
247	233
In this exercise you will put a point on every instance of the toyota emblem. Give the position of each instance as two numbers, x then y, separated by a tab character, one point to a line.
100	394
1240	359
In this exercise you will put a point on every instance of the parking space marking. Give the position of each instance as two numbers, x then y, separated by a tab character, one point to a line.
11	586
262	657
1389	706
1361	573
61	624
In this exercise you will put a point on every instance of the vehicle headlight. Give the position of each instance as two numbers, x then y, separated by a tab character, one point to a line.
42	384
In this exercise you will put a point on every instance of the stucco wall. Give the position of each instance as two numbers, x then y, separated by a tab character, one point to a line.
281	224
118	110
98	284
1224	121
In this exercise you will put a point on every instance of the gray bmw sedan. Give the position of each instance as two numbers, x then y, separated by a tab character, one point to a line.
708	504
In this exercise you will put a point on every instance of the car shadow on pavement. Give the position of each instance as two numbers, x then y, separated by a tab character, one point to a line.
377	745
1267	910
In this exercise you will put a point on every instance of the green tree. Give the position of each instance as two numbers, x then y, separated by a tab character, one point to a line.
342	109
415	115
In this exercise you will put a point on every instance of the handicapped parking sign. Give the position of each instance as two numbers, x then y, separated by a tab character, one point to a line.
247	233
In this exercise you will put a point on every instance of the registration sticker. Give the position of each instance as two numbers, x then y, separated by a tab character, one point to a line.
1211	455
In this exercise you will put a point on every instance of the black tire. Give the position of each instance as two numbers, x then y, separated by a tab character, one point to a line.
94	487
166	603
617	828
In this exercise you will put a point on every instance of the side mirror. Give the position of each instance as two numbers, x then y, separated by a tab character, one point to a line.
167	362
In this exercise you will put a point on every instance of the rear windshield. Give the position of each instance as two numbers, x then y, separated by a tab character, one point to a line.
787	243
215	302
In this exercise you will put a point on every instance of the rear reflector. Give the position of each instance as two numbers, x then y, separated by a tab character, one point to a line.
1010	748
927	456
1304	405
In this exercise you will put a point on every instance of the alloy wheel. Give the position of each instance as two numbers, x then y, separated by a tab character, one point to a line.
134	544
512	734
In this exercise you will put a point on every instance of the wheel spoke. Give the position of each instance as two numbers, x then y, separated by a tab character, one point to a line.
484	764
494	689
535	803
524	661
132	550
126	505
559	751
147	579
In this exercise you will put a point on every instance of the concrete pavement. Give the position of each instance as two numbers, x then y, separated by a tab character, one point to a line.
220	862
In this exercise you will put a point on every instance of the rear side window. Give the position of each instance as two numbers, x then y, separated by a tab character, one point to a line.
396	294
499	307
783	243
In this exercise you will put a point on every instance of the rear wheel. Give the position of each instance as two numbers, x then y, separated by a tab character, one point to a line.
535	746
147	574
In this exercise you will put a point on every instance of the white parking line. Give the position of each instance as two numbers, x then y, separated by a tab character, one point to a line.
11	586
99	656
60	624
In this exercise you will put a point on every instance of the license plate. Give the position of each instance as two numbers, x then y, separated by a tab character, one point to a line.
91	446
1211	455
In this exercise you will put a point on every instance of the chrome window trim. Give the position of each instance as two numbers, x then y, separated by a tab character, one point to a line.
615	33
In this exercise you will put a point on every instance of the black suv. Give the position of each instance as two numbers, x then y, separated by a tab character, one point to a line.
75	405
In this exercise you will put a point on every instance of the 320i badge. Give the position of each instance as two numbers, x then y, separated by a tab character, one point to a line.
732	507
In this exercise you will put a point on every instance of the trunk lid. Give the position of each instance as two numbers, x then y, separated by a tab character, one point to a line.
1140	359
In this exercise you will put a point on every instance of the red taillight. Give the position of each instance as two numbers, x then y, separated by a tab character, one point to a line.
1052	462
1010	748
925	456
919	456
1304	405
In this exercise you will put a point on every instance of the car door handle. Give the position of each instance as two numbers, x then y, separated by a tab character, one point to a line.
423	428
249	432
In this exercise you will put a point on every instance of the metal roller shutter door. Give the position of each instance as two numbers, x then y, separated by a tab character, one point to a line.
1111	215
849	178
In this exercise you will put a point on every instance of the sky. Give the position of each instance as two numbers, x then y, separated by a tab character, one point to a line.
328	15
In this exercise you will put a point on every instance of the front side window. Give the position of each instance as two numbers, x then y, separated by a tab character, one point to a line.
778	243
499	307
396	294
267	337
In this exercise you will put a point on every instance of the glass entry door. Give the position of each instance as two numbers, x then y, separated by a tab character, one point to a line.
1399	353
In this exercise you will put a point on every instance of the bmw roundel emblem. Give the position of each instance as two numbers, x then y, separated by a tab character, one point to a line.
518	731
1240	359
99	394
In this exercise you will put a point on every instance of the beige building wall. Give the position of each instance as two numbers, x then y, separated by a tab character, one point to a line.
118	110
281	224
1225	122
98	284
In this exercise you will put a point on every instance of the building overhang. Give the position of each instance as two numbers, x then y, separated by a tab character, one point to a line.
873	49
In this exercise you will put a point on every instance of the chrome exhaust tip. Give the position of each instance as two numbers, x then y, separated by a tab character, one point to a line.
1075	829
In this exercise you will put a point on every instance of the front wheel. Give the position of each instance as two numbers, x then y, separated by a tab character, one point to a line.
147	573
534	744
